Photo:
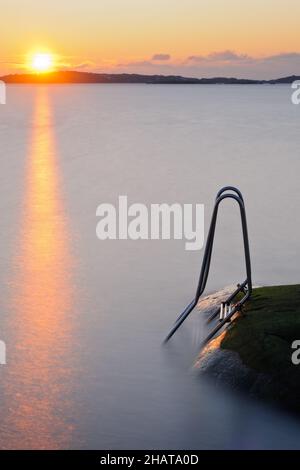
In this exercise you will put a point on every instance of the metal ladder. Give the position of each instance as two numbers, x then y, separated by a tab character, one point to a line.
227	309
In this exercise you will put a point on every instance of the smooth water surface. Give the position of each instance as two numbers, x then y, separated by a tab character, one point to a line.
83	319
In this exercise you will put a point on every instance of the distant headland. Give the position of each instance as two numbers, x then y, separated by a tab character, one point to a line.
60	77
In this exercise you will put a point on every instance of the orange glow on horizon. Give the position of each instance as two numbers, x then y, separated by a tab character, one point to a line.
106	36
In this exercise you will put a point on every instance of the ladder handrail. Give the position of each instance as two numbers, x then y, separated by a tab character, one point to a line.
228	192
230	188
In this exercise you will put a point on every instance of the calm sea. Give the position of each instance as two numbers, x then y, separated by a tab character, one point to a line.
83	319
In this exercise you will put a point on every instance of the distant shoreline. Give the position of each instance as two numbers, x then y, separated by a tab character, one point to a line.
74	77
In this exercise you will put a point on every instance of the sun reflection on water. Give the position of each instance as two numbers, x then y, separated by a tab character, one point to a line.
39	373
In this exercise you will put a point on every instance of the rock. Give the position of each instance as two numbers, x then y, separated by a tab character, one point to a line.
225	367
253	354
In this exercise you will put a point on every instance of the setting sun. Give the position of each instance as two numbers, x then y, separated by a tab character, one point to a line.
42	62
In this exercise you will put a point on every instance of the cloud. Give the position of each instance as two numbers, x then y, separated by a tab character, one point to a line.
196	58
153	62
161	57
284	57
230	63
11	63
231	57
221	56
137	63
224	63
65	63
85	65
228	56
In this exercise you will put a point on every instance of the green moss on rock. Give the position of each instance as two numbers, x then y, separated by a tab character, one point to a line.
263	336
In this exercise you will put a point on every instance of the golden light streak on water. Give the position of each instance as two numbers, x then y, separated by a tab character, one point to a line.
39	378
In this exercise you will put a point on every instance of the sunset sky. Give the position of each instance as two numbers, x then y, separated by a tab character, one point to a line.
248	38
